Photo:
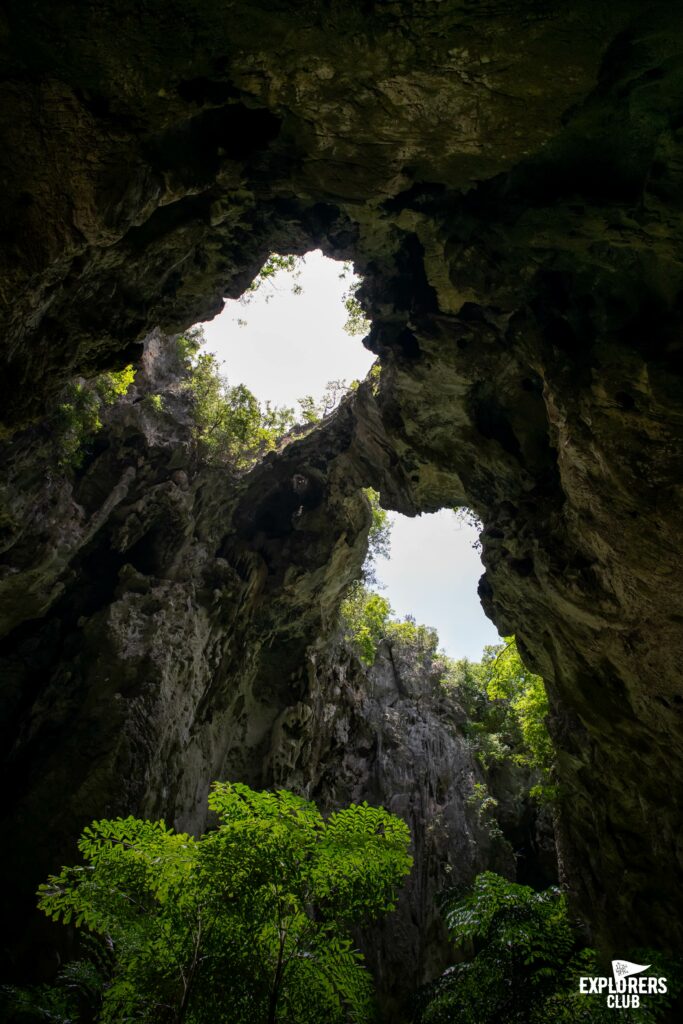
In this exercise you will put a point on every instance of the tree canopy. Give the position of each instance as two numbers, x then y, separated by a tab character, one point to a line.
249	923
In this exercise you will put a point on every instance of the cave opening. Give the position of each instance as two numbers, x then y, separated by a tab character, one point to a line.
294	339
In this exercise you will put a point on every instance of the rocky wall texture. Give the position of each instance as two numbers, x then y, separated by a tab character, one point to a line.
507	176
166	606
392	734
172	647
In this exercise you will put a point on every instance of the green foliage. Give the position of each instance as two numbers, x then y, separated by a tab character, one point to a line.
367	620
77	418
249	923
314	410
508	680
356	322
408	633
466	517
75	995
374	376
111	386
486	807
379	537
488	727
266	279
506	707
154	402
522	962
275	264
189	343
230	424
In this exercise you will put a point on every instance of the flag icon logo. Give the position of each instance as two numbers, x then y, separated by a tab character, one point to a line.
624	968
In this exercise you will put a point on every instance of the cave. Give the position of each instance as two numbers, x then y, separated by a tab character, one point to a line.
507	179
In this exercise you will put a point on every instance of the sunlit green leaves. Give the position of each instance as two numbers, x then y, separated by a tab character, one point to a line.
356	321
248	920
507	710
78	416
230	424
367	619
508	680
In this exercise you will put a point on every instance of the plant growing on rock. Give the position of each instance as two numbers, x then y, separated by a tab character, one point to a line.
77	418
379	537
508	679
367	620
230	424
507	708
314	410
250	922
356	322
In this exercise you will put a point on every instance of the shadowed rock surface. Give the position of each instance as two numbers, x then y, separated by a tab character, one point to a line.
393	735
174	648
508	179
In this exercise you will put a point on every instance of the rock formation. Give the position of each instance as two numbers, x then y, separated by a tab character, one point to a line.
174	647
393	735
507	177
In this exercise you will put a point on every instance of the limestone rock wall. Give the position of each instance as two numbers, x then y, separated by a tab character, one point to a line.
172	646
392	735
158	611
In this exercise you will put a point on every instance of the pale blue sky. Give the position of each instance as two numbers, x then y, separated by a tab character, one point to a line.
291	346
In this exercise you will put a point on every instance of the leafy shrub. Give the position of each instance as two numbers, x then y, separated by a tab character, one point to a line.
486	807
250	923
526	964
111	386
507	708
379	537
230	424
509	681
75	995
408	633
356	322
77	418
367	620
154	402
314	410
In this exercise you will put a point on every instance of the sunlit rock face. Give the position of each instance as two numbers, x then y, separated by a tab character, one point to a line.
508	178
